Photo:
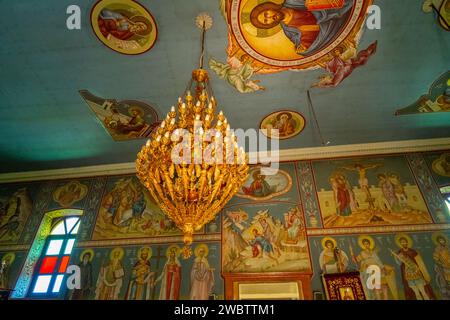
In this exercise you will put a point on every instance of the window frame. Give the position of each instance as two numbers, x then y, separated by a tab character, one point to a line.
60	257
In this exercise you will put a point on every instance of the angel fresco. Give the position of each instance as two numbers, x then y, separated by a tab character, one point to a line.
264	243
237	74
343	64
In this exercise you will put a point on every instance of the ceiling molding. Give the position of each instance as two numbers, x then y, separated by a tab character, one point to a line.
379	148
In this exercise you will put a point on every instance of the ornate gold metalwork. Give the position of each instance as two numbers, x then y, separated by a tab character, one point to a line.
193	191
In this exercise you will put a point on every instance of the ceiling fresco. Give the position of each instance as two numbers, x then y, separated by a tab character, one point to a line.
263	57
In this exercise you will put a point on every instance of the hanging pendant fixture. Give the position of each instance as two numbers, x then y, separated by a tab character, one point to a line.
192	165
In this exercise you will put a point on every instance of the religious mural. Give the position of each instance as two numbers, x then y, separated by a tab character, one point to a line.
274	225
413	266
264	238
10	264
260	187
86	281
123	120
70	193
125	27
441	10
127	210
437	99
439	164
288	123
369	192
150	272
277	35
16	206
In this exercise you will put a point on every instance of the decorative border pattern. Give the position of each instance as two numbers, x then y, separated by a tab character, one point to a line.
40	205
143	241
91	208
380	229
307	191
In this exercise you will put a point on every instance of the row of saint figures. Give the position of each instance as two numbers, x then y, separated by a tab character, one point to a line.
409	266
146	280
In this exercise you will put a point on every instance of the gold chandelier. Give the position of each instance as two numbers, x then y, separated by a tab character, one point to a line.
192	164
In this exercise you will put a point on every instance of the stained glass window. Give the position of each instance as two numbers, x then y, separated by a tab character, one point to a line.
50	271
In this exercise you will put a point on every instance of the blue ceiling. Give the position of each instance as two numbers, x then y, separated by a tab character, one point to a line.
45	124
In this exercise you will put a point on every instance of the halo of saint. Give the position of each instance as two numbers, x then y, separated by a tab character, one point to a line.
200	247
364	238
83	253
401	236
325	240
439	235
113	253
148	250
175	249
9	257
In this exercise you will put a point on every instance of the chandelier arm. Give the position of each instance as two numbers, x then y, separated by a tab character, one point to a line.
162	198
169	183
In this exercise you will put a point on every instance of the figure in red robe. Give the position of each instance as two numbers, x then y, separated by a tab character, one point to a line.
170	277
340	69
415	276
342	195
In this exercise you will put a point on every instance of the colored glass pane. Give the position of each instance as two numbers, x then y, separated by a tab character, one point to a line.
58	282
71	222
59	229
69	246
42	283
75	229
64	263
48	265
54	247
